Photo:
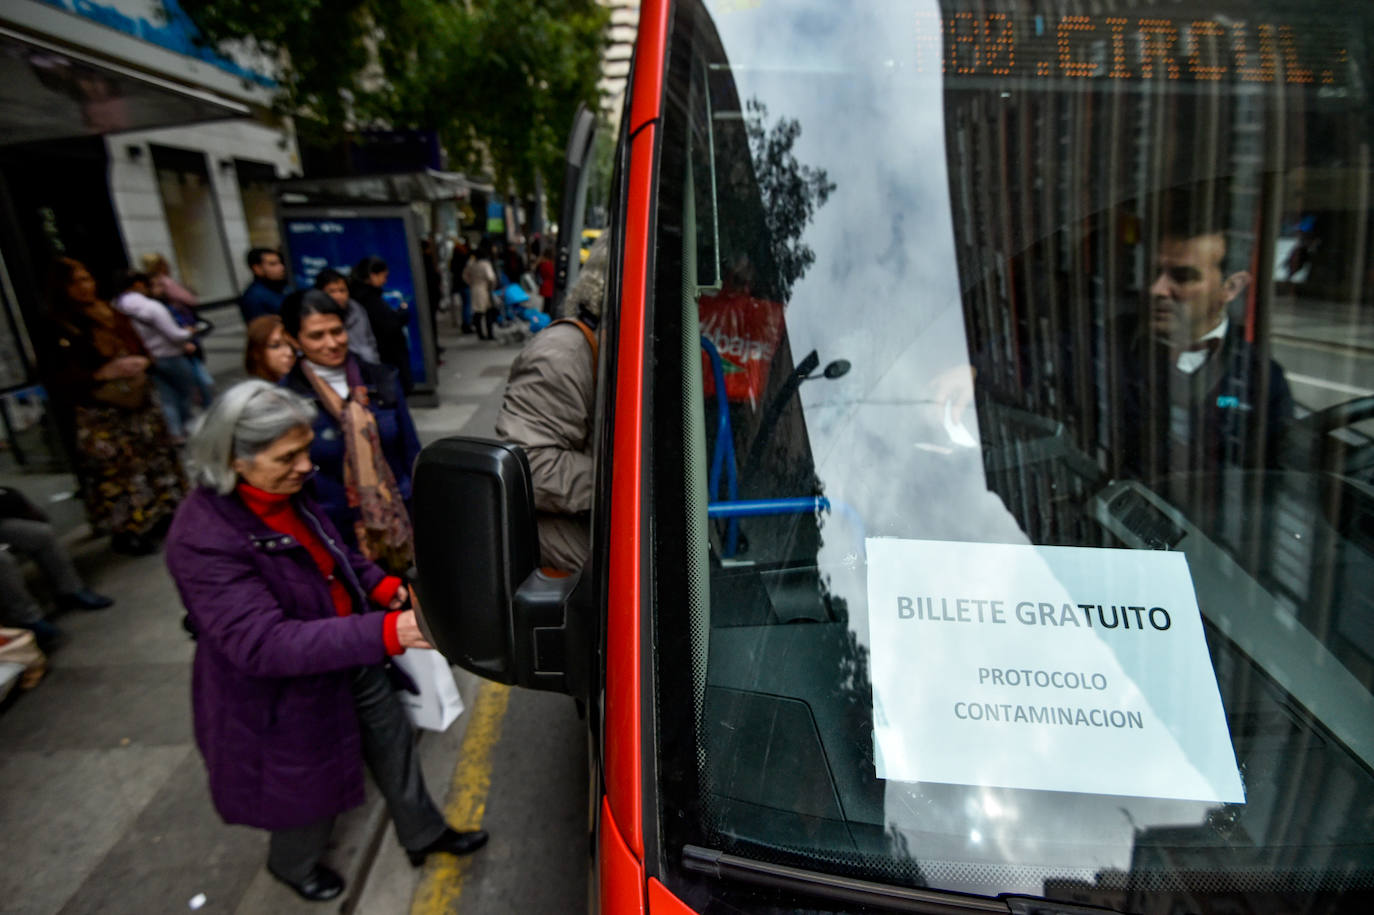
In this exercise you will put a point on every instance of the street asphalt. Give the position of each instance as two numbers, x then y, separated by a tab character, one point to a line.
104	804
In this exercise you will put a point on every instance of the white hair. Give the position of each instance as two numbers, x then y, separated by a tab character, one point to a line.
589	288
241	422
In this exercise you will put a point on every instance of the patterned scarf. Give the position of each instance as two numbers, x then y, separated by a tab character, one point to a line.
382	526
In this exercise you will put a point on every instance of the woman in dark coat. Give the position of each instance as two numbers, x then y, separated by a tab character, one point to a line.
337	380
97	369
388	326
289	688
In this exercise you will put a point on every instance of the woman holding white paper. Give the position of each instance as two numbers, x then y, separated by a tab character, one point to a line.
290	689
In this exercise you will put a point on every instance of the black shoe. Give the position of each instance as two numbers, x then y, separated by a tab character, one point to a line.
452	842
44	633
84	599
322	884
132	544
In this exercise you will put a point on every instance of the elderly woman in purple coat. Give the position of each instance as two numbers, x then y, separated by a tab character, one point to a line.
294	630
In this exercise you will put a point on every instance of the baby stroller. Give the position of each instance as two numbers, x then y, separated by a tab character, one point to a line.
516	319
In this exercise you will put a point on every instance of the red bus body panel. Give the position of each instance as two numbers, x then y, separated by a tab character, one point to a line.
623	626
621	831
624	734
621	872
651	61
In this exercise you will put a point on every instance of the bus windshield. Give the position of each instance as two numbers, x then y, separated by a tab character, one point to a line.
1013	488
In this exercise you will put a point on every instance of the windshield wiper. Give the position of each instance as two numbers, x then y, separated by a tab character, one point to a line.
847	890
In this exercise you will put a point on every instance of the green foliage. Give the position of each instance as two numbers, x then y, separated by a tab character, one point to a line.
499	80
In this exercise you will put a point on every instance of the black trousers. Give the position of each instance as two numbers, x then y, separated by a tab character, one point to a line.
389	749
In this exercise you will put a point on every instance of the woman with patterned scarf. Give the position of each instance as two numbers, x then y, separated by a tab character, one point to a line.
365	443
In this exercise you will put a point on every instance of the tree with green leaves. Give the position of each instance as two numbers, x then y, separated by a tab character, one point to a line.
497	80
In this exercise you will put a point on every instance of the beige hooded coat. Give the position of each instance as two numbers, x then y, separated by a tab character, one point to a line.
547	410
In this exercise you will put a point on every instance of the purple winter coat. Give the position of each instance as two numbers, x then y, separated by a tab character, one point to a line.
271	687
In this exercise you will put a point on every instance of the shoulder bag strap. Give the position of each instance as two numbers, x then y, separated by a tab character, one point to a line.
586	332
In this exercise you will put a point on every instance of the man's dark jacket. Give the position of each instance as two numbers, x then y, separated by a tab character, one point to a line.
388	326
1230	413
261	299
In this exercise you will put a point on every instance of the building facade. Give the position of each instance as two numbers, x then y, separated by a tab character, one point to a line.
615	66
120	136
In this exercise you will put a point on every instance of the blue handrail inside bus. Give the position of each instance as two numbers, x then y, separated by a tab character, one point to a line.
723	459
754	508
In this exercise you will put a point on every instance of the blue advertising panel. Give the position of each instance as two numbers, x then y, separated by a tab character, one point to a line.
315	241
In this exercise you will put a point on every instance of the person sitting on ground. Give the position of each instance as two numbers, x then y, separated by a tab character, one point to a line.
547	411
365	442
270	353
360	338
25	529
264	295
290	691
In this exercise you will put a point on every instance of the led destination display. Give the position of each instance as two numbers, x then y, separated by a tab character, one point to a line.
1116	46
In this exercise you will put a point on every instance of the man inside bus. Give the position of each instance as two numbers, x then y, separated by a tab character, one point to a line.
1193	392
1196	391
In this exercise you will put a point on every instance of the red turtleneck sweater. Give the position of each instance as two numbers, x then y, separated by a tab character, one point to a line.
276	511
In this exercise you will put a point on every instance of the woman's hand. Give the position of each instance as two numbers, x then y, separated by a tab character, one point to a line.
408	631
399	599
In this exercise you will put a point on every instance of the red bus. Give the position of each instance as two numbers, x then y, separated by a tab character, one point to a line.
984	512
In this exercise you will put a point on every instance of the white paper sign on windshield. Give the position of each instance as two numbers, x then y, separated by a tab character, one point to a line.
1052	668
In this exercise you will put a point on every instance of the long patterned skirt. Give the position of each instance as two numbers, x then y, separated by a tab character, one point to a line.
130	473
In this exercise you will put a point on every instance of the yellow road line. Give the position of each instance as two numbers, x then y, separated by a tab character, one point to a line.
442	882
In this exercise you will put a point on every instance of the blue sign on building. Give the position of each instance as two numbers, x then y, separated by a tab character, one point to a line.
173	31
316	242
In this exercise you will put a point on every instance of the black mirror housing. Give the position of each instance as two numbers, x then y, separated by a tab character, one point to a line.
484	602
475	544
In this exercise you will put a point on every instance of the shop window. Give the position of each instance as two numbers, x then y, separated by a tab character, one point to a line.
256	180
194	222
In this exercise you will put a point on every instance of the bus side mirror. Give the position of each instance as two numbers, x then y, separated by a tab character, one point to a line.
485	605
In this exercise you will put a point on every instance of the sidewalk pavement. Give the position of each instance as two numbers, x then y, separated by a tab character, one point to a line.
104	797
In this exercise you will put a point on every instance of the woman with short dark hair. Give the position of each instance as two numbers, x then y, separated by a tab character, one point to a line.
290	691
388	325
365	442
360	338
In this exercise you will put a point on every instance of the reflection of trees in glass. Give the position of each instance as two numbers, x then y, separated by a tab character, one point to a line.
791	192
